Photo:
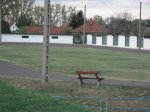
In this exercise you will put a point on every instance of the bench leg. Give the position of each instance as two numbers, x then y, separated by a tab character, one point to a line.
81	81
98	83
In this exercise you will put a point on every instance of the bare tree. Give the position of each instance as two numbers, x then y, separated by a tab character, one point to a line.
55	14
38	15
60	14
120	23
26	6
13	9
66	14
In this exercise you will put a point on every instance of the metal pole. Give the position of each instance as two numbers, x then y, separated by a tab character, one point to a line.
106	108
84	24
139	40
46	41
100	107
0	21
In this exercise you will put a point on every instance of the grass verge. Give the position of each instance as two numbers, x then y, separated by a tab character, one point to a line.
28	95
13	99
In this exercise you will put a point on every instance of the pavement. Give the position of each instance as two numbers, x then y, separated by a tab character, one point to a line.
9	69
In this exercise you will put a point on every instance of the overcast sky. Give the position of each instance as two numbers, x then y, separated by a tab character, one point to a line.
107	8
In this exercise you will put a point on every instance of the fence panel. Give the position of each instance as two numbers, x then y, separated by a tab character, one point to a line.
127	105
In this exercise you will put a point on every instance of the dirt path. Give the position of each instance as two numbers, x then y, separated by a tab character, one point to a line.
9	69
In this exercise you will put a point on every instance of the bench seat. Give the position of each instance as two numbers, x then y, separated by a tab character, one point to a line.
91	75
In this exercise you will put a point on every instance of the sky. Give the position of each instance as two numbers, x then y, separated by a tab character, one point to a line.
107	8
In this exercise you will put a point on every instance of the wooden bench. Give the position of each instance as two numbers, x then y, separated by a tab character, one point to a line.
89	75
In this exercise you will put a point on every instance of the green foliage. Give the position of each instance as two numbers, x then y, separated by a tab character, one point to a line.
77	19
147	32
24	20
99	19
73	22
22	29
80	18
135	27
5	27
148	23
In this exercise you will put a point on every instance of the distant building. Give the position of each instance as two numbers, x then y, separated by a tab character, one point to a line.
92	27
13	27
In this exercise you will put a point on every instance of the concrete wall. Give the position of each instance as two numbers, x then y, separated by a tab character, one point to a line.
133	42
121	41
18	38
89	39
68	39
109	40
63	39
146	43
98	40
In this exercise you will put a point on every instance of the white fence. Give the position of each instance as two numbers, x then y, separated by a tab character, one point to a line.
60	39
146	43
121	41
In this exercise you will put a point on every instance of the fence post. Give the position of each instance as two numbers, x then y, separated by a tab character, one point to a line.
0	22
100	107
107	104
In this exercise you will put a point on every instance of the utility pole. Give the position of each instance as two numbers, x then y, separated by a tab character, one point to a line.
139	39
0	22
46	41
84	28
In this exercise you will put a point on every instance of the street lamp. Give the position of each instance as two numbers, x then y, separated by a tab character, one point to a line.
45	63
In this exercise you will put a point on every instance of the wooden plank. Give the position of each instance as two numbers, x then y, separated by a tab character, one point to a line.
88	72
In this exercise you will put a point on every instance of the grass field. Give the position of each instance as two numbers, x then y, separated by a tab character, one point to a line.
66	60
27	95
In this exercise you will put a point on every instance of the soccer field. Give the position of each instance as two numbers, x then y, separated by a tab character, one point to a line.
119	65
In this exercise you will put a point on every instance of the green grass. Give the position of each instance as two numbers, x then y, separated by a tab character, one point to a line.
13	99
66	60
35	96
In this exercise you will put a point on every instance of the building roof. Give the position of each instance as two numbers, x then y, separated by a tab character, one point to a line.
39	29
92	26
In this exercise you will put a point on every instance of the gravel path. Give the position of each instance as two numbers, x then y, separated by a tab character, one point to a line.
9	69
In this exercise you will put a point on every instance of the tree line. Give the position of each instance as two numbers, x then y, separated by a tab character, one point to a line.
124	24
26	13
